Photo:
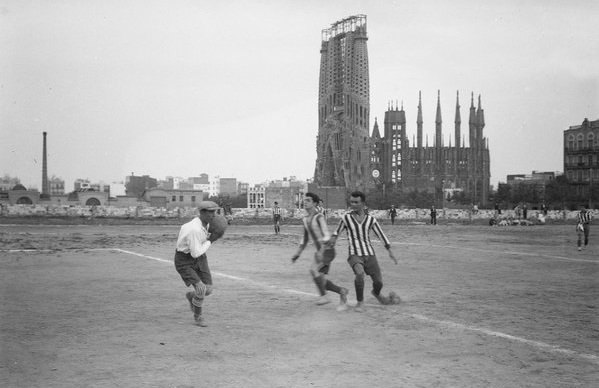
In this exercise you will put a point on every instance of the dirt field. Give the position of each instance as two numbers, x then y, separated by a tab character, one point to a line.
102	306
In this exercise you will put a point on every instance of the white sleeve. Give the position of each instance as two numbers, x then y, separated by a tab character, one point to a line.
198	244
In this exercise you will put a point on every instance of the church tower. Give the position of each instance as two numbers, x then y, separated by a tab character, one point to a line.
343	146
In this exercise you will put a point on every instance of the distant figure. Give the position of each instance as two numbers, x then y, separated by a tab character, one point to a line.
497	208
583	227
518	212
276	216
475	209
524	211
544	209
393	214
433	215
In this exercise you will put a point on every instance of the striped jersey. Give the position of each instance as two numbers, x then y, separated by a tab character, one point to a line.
315	226
276	211
584	217
358	233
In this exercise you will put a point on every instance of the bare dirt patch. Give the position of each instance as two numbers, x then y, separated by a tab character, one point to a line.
482	307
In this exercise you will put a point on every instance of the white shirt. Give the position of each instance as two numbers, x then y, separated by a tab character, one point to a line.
193	238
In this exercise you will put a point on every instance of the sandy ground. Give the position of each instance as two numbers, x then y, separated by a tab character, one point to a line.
102	306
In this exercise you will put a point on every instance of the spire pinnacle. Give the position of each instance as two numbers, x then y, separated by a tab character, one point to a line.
419	118
438	118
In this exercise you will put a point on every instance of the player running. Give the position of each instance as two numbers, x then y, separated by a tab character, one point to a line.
583	227
191	261
362	258
315	227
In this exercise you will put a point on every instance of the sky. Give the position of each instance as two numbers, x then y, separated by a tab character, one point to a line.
230	88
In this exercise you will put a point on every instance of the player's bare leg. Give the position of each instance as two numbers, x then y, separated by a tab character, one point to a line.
342	299
330	286
320	282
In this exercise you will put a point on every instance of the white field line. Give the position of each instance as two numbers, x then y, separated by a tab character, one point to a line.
539	255
537	344
552	348
27	250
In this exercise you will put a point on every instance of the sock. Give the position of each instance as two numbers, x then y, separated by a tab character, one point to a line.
332	287
320	284
359	284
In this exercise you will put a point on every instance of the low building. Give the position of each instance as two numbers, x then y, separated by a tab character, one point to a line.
256	197
170	199
20	195
56	186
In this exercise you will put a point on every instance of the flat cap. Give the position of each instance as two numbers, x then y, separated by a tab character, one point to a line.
208	205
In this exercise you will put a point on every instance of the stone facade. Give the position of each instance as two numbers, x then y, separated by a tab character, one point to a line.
436	169
581	156
343	144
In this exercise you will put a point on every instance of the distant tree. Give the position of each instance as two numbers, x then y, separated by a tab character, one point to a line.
557	192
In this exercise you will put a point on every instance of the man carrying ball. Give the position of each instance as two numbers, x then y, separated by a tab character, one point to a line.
191	262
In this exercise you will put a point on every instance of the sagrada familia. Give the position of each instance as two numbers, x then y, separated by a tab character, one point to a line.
349	156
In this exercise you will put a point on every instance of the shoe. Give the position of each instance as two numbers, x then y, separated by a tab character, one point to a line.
323	300
189	297
200	321
394	298
343	295
381	298
359	308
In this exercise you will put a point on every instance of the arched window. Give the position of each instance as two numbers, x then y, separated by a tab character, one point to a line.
590	140
579	141
92	202
24	201
571	142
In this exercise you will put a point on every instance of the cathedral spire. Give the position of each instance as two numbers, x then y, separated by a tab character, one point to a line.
438	118
438	123
472	123
419	120
480	114
458	120
375	131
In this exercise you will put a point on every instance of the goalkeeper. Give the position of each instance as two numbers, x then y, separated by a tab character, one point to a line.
191	261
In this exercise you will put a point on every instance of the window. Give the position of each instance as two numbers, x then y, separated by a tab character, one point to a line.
193	198
174	198
571	142
590	140
579	141
180	198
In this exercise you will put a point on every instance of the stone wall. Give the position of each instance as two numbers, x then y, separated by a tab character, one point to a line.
422	215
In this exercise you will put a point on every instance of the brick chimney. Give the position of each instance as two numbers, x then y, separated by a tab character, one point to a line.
45	185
